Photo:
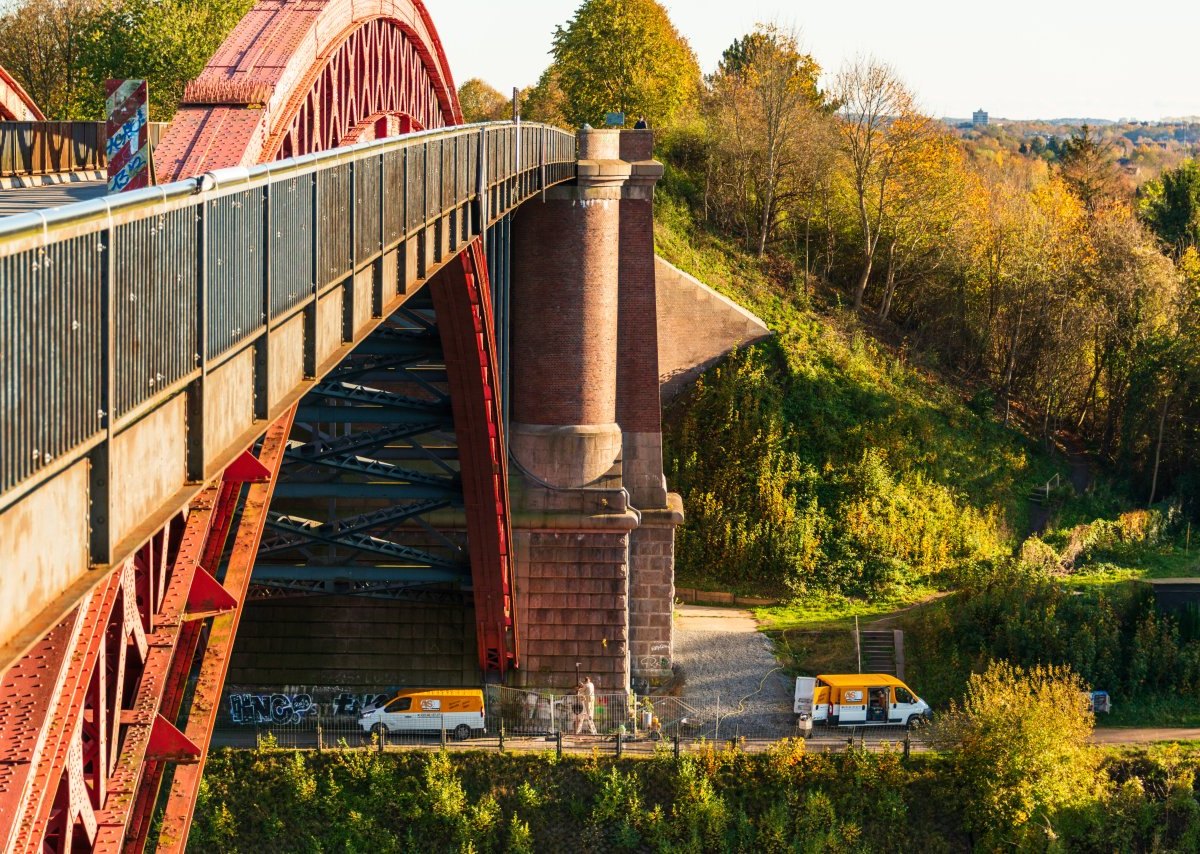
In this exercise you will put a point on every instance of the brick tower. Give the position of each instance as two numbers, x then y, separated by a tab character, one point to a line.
593	521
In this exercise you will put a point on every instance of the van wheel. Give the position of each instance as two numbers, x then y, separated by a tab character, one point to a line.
380	730
914	722
462	732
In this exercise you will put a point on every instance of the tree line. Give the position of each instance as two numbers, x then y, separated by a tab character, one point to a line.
62	51
1064	294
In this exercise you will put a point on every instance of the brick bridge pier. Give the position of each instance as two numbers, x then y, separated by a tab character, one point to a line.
593	522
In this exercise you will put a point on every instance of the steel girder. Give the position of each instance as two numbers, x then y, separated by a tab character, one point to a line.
366	466
462	298
102	692
351	519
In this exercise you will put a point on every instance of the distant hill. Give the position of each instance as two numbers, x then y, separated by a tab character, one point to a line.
1000	120
1077	122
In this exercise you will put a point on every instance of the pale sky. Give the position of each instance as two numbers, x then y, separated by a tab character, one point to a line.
1045	59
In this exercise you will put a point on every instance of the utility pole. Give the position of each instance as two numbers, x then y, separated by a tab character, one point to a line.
858	644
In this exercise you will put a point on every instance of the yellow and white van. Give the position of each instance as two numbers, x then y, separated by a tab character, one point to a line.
457	710
857	699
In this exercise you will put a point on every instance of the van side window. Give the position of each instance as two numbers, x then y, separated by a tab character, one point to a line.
400	704
903	695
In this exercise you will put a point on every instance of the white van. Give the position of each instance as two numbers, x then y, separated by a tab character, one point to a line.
857	699
457	710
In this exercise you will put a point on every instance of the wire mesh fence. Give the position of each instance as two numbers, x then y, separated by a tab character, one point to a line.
324	718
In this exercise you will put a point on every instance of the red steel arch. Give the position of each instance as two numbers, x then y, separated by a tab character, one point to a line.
301	76
295	76
298	76
15	103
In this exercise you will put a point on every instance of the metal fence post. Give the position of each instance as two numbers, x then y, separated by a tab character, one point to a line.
443	732
502	734
676	747
619	740
907	746
558	742
382	733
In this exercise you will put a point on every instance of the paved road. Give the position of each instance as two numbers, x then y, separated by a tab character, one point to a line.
25	199
1137	735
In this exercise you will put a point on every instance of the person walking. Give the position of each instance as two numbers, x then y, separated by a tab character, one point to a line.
589	697
641	124
580	708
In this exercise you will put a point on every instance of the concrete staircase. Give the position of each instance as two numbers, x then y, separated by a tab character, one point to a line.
883	652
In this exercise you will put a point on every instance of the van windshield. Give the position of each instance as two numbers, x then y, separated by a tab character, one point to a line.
400	704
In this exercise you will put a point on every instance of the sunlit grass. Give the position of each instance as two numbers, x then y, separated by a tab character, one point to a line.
822	612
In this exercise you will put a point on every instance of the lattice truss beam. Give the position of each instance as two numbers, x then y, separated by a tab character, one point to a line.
375	75
370	499
96	713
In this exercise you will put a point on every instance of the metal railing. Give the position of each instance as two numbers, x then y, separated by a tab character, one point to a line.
108	308
30	149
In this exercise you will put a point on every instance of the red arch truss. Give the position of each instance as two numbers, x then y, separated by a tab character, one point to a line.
15	103
298	76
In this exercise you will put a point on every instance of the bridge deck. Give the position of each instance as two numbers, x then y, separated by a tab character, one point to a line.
166	332
21	200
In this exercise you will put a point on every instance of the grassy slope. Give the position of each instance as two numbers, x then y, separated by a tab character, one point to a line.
846	391
872	393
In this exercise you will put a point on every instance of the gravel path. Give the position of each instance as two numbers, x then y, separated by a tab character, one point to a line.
723	654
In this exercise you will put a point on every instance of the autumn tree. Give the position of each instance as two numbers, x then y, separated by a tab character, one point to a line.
1170	205
545	102
624	56
41	44
880	129
924	203
1089	167
482	103
766	105
167	42
1018	747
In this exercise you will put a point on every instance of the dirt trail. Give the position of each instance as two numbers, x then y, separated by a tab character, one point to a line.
1081	476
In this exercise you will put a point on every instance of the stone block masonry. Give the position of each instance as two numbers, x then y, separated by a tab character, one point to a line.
573	598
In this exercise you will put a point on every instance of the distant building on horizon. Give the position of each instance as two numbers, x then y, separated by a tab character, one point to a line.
979	118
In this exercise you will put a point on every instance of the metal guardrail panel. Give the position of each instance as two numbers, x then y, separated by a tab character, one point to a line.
46	148
291	243
368	206
55	296
394	196
52	325
333	219
414	188
154	299
234	269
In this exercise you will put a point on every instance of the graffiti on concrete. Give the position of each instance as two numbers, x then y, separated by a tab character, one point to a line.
249	709
357	704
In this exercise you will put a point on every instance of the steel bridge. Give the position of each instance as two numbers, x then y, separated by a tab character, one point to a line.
292	369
